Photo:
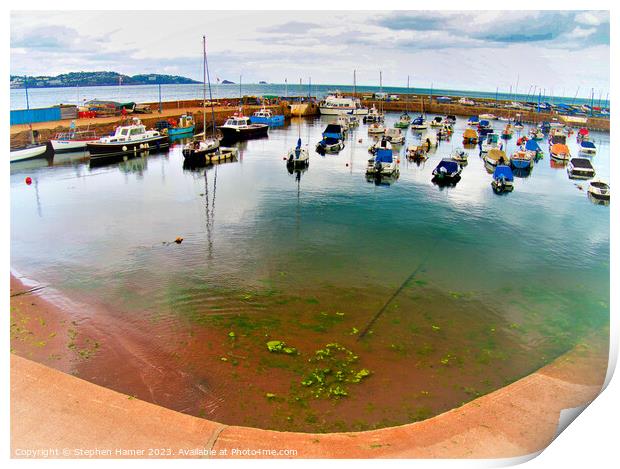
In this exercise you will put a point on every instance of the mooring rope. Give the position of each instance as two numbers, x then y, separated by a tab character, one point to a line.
397	292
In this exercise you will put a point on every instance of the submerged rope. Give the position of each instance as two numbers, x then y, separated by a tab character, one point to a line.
396	293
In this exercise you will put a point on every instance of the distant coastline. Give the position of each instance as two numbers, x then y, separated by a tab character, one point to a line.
75	79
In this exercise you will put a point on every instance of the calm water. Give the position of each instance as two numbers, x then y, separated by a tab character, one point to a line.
44	97
502	284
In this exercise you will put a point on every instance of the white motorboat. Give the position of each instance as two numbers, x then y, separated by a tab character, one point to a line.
73	140
419	123
130	138
383	163
376	128
28	153
394	136
586	147
599	190
459	155
337	104
580	168
373	115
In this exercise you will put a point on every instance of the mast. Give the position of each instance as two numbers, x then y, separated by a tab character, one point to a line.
299	122
204	86
28	109
210	95
354	84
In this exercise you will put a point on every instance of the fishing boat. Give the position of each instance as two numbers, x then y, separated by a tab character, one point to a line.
559	151
495	157
332	141
503	179
394	136
383	163
28	153
416	153
419	123
404	121
373	115
74	140
491	141
522	159
507	132
460	156
473	121
599	190
184	126
437	121
337	104
266	116
376	128
470	137
238	127
533	147
202	149
580	168
128	139
583	134
447	171
586	147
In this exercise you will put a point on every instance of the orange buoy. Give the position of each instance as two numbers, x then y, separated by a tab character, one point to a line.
179	240
28	180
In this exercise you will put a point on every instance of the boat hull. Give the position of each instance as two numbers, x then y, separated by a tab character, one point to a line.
98	149
234	135
273	121
28	153
64	146
329	111
521	164
177	131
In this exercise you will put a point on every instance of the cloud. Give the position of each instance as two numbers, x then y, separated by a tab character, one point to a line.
291	27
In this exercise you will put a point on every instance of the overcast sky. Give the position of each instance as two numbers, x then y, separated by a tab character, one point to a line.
476	50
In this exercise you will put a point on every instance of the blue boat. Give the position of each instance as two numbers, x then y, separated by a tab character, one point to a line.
185	127
265	116
447	171
473	120
532	146
333	139
503	179
383	163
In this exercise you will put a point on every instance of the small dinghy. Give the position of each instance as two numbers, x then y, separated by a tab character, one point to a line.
265	116
437	121
383	163
473	121
419	123
522	159
503	179
586	147
416	153
460	156
580	168
599	190
533	147
329	145
404	121
491	141
447	171
373	116
394	136
376	128
429	141
496	157
28	153
583	134
559	151
470	137
450	119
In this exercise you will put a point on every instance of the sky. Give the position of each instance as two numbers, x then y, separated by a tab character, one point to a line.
559	51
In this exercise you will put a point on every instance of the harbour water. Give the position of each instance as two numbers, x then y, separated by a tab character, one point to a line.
45	97
489	288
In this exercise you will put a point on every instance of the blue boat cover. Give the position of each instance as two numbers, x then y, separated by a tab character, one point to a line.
329	140
384	155
587	144
503	171
484	123
473	119
532	145
418	120
451	166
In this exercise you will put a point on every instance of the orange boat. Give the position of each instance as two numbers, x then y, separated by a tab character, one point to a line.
559	151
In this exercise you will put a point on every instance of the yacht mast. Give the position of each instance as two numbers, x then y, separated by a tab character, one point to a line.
204	87
209	82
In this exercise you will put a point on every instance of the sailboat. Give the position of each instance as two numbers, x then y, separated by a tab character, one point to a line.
405	119
298	156
29	151
205	146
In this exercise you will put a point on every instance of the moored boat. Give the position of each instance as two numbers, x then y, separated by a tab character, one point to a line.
495	157
533	147
503	179
580	168
383	163
404	121
586	147
522	159
338	104
373	115
28	153
599	190
437	121
266	116
416	153
298	157
470	137
238	127
74	140
128	139
184	126
394	136
559	151
447	171
419	123
376	128
491	141
473	120
332	141
507	132
460	156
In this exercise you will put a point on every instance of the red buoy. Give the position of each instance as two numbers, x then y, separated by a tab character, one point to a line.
28	180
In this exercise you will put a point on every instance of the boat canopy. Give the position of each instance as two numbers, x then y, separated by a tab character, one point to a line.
503	171
587	144
484	123
450	166
384	155
437	118
559	148
418	120
583	131
473	119
333	131
470	133
581	163
492	138
532	145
